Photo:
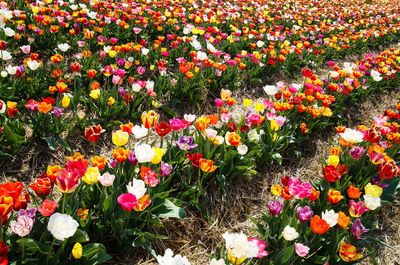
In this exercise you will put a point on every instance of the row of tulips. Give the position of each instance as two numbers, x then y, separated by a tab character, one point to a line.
330	220
298	109
110	58
157	167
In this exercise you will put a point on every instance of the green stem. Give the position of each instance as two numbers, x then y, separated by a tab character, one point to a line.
63	203
50	252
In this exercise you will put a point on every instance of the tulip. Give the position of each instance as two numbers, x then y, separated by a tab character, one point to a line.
120	138
356	209
348	252
319	226
144	153
48	207
106	179
289	233
93	133
67	181
301	249
275	207
150	119
165	169
6	204
42	186
357	229
142	203
127	201
62	226
158	154
77	251
186	143
207	165
22	226
343	220
261	245
91	176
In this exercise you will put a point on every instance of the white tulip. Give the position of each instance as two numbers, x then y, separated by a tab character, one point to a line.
62	226
144	153
289	233
137	187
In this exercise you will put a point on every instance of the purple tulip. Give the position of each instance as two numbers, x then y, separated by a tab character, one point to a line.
132	157
30	213
165	169
304	213
356	152
357	229
57	112
186	143
275	207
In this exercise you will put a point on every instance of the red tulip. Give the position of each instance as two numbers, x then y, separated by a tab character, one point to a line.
93	133
48	207
41	186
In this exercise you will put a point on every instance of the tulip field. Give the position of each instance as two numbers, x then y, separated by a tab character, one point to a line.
177	132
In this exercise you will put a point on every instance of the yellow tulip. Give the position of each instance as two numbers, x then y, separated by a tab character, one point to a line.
333	160
112	53
77	251
65	101
110	101
373	190
259	106
120	138
95	93
247	102
91	176
158	154
276	190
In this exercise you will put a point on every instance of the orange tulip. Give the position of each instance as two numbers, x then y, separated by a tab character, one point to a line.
142	203
6	204
202	123
318	225
343	220
207	165
353	192
120	154
99	162
334	196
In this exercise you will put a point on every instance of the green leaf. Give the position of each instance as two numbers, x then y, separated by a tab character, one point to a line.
284	256
79	236
169	210
33	246
51	142
389	193
95	254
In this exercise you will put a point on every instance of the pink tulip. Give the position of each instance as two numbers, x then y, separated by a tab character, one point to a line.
301	249
127	201
22	226
141	70
137	30
26	49
106	179
261	245
298	189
